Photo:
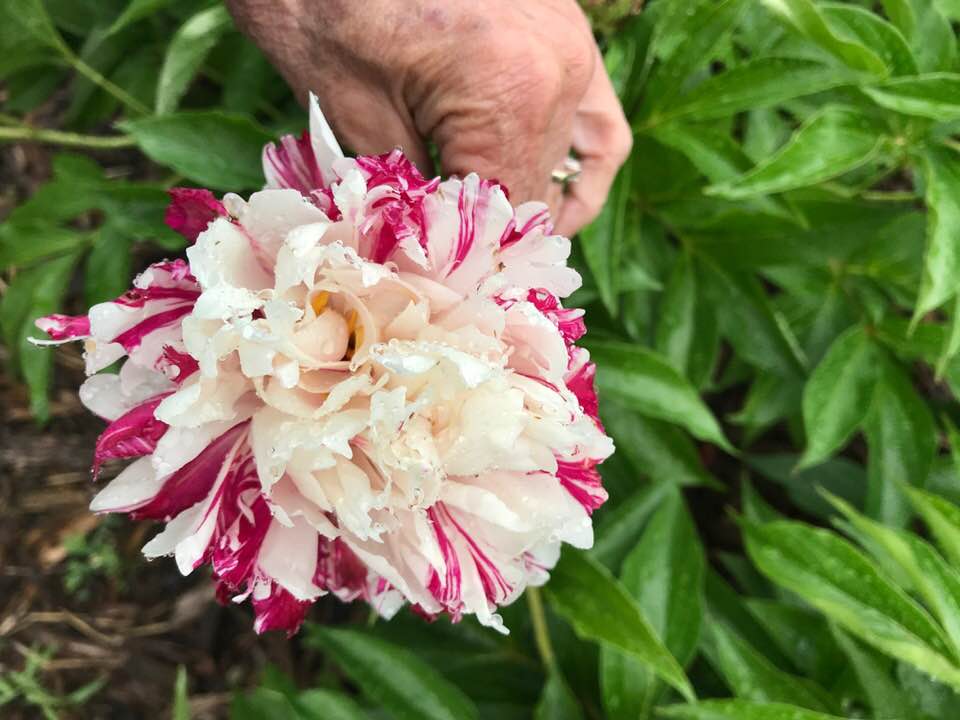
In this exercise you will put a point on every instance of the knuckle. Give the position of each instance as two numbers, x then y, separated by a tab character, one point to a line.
579	58
622	141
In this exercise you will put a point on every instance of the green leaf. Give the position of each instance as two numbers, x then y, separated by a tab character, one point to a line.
43	287
950	8
557	701
247	78
31	16
185	55
600	609
604	239
687	331
930	576
656	449
758	83
932	39
23	244
726	605
262	703
642	380
840	476
742	710
932	698
901	15
837	395
327	705
181	702
672	22
135	11
770	399
901	438
833	576
628	58
943	519
873	673
806	18
804	637
392	676
620	527
758	332
215	149
941	262
715	154
875	33
935	96
752	677
665	574
107	273
832	142
676	327
705	32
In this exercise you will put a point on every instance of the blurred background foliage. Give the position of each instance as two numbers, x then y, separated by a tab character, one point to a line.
772	293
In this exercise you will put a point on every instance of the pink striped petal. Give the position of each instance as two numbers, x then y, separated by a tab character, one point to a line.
579	380
446	587
569	321
176	365
241	525
400	190
280	610
583	482
191	210
133	434
339	570
191	483
64	327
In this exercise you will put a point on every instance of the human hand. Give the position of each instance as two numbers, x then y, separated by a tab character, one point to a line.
505	88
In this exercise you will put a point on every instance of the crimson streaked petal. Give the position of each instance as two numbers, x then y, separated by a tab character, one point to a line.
579	379
191	483
133	434
279	610
583	482
191	210
64	327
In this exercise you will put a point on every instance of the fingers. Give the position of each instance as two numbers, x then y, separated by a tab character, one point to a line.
509	115
602	139
368	122
367	115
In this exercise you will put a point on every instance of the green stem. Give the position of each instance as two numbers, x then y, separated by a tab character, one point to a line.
69	139
96	78
541	634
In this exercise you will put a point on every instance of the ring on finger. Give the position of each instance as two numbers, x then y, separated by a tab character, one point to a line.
568	172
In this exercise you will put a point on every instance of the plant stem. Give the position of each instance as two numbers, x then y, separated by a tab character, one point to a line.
541	633
69	139
96	78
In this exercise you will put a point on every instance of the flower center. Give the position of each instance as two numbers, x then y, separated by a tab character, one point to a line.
330	336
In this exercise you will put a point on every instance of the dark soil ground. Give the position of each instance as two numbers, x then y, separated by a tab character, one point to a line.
127	624
80	609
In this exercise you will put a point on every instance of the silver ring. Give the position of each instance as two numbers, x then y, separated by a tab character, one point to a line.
567	173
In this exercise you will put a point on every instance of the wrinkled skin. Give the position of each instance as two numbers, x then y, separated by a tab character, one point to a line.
504	88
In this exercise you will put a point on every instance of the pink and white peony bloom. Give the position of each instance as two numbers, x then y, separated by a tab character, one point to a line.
361	382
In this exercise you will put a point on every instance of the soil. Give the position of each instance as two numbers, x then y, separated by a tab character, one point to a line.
130	624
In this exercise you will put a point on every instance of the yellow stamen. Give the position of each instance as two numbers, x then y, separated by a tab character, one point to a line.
319	301
356	334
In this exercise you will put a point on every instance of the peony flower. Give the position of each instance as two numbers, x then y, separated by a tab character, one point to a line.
360	382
